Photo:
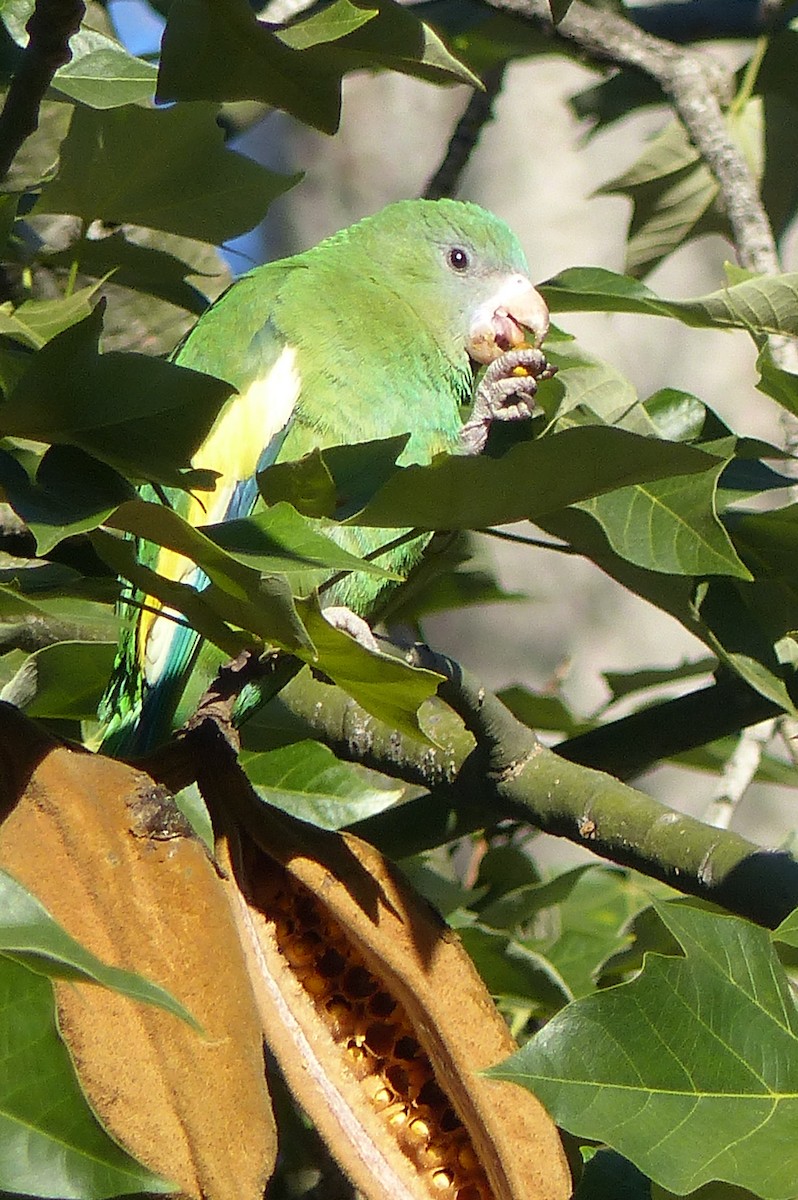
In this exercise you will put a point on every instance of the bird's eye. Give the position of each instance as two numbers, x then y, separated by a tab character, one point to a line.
458	259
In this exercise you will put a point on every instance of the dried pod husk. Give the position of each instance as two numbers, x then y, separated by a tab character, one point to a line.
105	851
381	1024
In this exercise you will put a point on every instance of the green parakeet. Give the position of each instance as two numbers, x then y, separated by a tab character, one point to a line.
374	332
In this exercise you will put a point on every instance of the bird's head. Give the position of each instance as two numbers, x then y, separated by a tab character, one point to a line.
462	270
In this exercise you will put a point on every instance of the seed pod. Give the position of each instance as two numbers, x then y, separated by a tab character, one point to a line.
381	1024
109	856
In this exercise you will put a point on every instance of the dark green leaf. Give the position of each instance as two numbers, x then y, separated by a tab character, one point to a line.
541	712
120	555
218	50
238	593
780	385
626	683
672	191
609	1176
280	540
558	9
34	322
707	1085
186	181
511	970
111	404
337	481
71	493
530	479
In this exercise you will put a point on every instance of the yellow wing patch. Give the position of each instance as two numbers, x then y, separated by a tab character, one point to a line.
244	427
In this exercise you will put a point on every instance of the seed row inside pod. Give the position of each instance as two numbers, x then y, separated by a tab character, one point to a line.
375	1037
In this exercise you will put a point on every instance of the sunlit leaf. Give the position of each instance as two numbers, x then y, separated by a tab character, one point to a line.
718	1098
308	781
103	74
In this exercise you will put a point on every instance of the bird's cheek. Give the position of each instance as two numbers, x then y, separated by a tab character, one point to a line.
516	315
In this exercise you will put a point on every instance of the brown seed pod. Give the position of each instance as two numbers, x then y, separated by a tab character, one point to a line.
108	855
381	1024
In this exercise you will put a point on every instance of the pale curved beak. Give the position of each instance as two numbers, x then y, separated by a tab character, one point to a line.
515	315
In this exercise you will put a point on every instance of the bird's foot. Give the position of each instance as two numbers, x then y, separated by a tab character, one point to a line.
349	622
506	392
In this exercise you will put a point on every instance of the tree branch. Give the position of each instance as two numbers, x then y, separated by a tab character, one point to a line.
510	775
50	27
490	768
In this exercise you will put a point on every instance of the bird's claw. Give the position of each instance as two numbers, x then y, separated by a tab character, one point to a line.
506	392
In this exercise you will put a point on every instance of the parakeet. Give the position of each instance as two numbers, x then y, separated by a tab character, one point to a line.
374	332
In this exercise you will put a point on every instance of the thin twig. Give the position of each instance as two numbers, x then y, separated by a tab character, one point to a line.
738	774
479	111
50	27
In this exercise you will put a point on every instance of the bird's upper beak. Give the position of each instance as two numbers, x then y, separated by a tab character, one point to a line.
515	315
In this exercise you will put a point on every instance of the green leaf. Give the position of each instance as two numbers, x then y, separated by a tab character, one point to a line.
50	1141
218	50
65	681
103	74
308	781
326	25
676	415
609	1176
787	931
725	615
672	192
386	687
780	385
110	404
121	556
238	593
186	180
395	40
281	540
35	322
627	683
71	493
669	525
541	712
690	1070
28	933
513	971
531	479
765	304
588	382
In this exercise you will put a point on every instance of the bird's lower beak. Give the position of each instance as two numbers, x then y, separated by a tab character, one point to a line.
516	315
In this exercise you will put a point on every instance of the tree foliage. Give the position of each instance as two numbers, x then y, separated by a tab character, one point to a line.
651	993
